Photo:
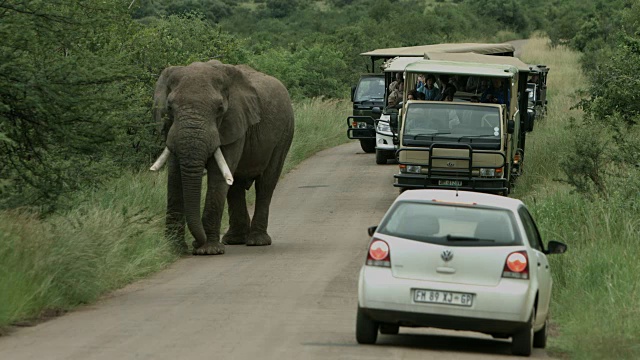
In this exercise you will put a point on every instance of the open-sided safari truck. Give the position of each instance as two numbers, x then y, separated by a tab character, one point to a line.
464	144
537	87
369	96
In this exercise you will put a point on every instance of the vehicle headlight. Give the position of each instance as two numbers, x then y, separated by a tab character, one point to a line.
487	172
383	126
362	125
415	169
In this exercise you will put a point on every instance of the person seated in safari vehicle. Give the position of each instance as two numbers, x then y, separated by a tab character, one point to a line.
495	94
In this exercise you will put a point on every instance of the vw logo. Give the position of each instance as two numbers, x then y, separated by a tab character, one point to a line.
451	164
447	255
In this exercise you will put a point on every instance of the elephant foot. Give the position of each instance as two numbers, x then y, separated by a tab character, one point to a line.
234	239
209	248
259	239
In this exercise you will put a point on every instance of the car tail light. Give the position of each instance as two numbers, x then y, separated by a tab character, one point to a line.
379	254
516	266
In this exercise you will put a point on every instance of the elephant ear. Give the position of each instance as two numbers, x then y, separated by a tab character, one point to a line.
160	100
243	109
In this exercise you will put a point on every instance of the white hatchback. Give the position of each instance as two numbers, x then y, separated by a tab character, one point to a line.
457	260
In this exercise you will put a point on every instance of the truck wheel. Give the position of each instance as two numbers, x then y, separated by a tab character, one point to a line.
368	145
381	157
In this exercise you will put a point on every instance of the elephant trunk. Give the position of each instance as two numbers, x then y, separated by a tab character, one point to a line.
192	192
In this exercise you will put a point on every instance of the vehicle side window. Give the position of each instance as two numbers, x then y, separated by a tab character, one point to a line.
530	228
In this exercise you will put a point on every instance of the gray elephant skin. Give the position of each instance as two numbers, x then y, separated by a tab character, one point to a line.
248	116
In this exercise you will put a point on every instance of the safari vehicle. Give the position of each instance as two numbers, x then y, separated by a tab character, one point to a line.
537	91
463	144
369	95
385	133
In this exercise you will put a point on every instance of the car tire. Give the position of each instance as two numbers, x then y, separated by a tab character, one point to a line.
389	329
522	341
381	157
540	336
368	145
366	329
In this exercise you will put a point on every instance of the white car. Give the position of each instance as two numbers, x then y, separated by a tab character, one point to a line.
457	260
385	148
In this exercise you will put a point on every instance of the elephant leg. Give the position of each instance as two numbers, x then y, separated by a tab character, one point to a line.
239	221
212	215
265	185
175	220
217	190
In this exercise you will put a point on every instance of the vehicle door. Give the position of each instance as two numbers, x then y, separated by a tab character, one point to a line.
540	264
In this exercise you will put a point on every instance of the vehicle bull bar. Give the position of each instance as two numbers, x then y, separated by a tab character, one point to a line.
439	178
359	133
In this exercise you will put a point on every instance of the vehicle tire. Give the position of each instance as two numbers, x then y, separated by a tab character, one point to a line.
389	329
368	145
540	336
366	329
522	341
381	157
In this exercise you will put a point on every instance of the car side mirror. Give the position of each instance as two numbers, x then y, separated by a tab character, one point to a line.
511	126
353	93
376	110
371	230
556	247
393	120
531	117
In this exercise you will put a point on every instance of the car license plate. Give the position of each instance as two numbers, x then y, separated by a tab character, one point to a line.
443	297
450	182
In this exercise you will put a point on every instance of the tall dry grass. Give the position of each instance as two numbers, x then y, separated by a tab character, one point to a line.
596	302
116	235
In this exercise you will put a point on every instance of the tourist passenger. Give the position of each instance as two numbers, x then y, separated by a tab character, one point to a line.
429	90
495	93
395	97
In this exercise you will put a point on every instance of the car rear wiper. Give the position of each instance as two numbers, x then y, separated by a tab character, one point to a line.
465	238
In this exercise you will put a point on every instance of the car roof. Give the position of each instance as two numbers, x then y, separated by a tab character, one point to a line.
462	68
479	48
478	58
461	197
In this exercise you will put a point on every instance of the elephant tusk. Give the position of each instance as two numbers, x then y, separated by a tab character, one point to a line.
224	168
161	160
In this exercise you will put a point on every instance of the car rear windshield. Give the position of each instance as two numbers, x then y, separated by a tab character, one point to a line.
451	225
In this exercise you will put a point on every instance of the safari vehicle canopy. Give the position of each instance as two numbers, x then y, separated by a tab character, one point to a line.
461	144
503	49
366	95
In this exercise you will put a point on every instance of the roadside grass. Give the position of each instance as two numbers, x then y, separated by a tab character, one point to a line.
115	236
596	296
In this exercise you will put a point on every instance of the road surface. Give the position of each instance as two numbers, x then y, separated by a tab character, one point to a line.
293	300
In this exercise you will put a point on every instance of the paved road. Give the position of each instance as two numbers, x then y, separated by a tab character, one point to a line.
293	300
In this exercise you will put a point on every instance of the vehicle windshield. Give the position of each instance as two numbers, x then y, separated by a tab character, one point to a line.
370	88
451	225
454	120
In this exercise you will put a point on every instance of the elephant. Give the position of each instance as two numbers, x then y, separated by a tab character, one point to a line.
234	123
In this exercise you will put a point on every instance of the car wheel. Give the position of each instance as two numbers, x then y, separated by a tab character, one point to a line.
522	341
540	336
366	329
381	157
389	329
368	145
